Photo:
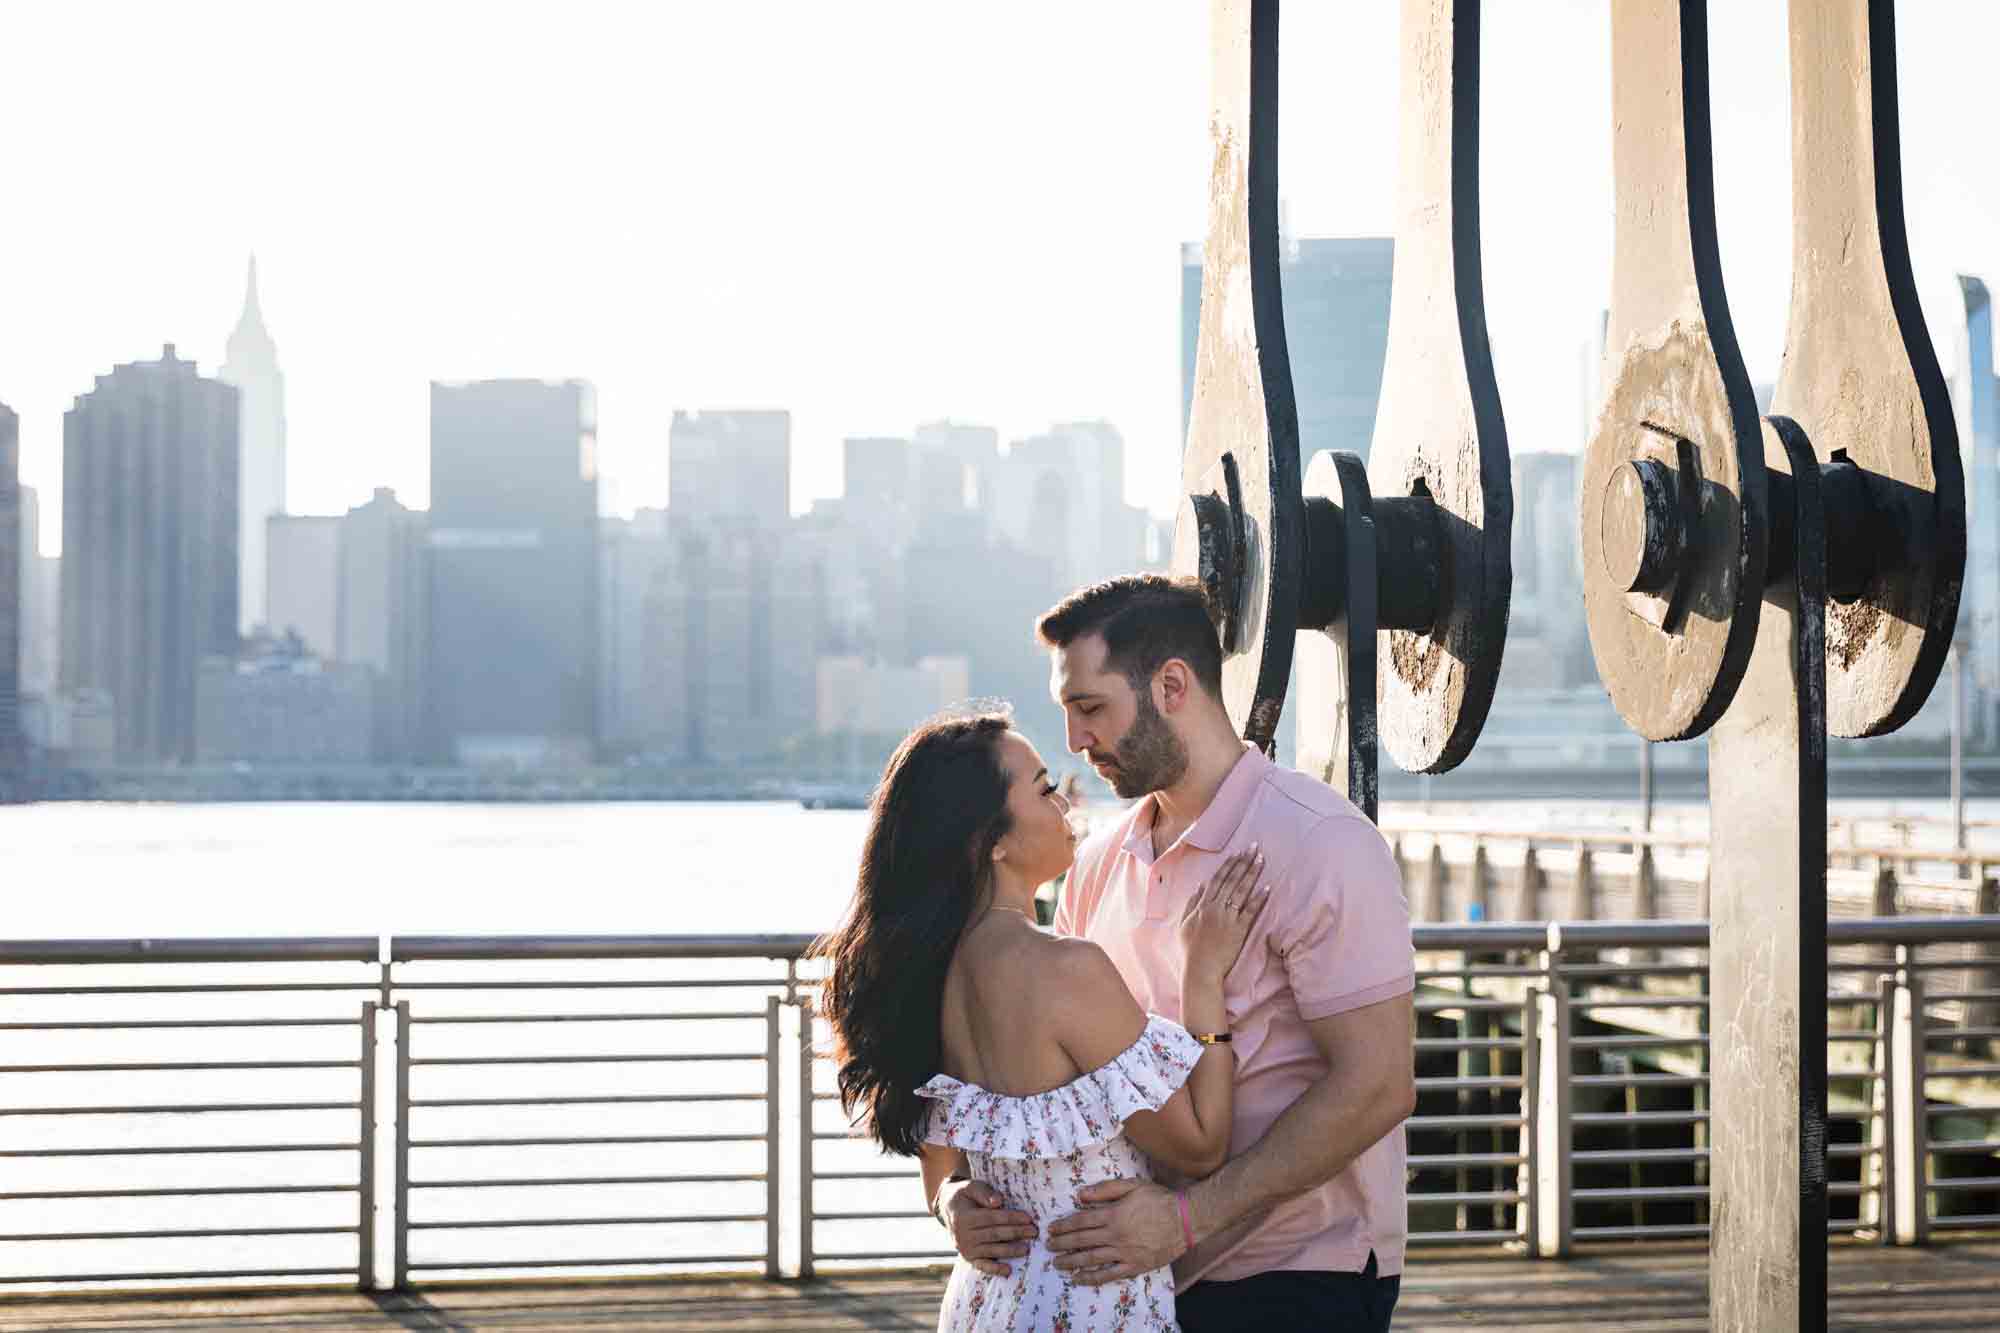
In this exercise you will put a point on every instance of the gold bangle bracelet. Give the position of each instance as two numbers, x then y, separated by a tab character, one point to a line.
1212	1038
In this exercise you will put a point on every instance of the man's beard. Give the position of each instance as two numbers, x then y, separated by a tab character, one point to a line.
1150	756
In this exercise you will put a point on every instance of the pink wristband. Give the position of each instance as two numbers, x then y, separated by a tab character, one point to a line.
1187	1226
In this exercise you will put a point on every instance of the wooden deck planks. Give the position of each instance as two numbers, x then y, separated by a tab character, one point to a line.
1952	1286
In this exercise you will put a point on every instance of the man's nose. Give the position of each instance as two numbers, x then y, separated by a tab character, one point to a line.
1075	736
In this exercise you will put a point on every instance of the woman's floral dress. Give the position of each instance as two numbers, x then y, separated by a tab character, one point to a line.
1038	1152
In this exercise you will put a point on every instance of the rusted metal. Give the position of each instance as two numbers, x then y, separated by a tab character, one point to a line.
1679	397
1440	440
1408	574
1860	372
1243	410
1770	592
1767	829
1337	667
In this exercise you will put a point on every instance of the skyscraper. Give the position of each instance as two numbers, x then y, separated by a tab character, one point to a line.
1977	407
382	614
730	468
11	586
1336	299
252	366
149	571
302	579
512	665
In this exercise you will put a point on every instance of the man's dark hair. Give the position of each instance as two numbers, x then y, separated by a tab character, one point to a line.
1146	620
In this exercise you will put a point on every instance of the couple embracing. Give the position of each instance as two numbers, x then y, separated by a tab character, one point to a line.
1183	1107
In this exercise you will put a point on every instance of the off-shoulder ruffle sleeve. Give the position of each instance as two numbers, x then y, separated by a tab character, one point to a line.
1090	1109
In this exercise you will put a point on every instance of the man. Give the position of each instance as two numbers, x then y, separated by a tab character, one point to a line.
1304	1226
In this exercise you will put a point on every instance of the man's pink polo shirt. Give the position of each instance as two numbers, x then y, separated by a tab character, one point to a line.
1335	937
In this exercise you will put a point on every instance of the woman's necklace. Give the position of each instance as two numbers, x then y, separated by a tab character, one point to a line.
1001	907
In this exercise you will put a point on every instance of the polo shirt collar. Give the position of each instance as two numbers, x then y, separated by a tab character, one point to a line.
1218	823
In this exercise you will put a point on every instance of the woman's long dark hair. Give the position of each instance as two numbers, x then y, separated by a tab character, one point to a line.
926	864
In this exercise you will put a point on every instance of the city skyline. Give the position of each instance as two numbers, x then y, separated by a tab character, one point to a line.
937	270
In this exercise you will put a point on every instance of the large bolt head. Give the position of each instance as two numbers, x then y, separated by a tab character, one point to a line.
1640	529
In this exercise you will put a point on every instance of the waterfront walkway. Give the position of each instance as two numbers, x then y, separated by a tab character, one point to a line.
1638	1289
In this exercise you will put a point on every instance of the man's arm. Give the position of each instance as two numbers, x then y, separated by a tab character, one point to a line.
1369	1089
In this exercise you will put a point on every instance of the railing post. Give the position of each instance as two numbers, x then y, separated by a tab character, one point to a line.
1553	1097
805	1138
1878	1169
1912	1143
364	1263
1526	1217
1528	888
1583	890
400	1244
773	1129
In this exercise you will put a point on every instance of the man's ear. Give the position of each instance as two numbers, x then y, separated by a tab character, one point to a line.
1171	684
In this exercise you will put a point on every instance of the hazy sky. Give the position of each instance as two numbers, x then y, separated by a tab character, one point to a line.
872	214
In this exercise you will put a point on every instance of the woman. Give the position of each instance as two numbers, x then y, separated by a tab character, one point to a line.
970	1038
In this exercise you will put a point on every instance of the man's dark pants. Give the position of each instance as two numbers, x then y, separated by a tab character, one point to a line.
1282	1301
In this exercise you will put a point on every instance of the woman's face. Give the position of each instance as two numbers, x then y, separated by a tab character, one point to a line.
1042	842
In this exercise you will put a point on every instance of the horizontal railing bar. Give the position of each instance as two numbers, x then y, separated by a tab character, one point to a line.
637	1261
1964	1145
1448	1082
1850	1188
662	1057
1439	973
1432	1005
873	1215
532	1181
129	1024
1634	1043
607	1099
168	1235
1965	994
912	1174
326	1270
1645	1192
586	1142
1464	1121
481	1224
1468	1043
413	948
1980	1220
1585	971
1638	1080
1462	1237
213	987
311	949
1685	1230
1450	1161
1637	1155
1964	1071
456	1019
634	983
1965	1183
179	1066
1638	1117
191	1108
850	1256
170	1193
1461	1197
1644	1002
180	1151
1933	1032
1467	938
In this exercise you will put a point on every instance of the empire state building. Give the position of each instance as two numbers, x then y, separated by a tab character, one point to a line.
252	366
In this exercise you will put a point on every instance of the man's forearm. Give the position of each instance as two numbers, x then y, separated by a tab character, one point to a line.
1315	1139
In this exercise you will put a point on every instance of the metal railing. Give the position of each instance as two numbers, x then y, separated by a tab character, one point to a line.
416	1109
